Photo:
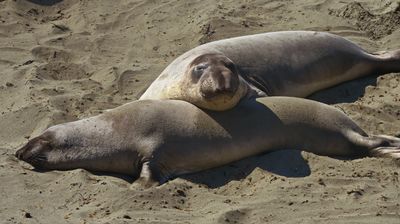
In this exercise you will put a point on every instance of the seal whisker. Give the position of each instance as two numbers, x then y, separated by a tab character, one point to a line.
37	158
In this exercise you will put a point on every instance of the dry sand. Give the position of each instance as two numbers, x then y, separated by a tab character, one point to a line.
65	60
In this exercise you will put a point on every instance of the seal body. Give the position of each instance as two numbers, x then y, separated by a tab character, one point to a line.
157	140
288	63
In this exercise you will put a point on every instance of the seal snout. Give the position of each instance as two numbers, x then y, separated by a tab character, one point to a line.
23	153
220	83
18	154
34	152
226	83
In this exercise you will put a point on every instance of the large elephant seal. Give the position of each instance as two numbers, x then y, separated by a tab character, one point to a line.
218	74
158	140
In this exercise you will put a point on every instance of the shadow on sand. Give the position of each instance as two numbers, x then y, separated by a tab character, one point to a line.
347	92
45	2
288	163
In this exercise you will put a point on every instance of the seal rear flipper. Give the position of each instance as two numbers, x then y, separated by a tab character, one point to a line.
390	152
388	61
377	145
388	146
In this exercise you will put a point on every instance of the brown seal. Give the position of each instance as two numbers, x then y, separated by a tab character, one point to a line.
160	139
217	75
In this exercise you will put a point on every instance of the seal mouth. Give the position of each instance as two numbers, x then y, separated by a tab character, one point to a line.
209	90
36	160
35	152
210	95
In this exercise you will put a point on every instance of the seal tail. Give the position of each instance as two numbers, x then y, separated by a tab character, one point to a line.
387	61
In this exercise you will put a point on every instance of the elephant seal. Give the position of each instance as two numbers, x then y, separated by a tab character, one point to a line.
217	75
160	139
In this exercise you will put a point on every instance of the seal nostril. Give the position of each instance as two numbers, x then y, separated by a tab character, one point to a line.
219	90
18	154
225	88
222	89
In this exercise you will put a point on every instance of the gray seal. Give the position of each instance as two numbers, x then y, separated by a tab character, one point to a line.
217	75
159	139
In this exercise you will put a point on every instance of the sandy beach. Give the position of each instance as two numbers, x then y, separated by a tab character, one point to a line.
66	60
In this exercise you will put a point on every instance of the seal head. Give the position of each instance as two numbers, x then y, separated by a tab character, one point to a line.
36	151
212	82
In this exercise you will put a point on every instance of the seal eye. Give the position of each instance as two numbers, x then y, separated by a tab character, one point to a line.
198	69
197	72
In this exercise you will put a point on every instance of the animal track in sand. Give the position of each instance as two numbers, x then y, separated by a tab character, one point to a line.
44	53
234	216
128	80
375	25
61	71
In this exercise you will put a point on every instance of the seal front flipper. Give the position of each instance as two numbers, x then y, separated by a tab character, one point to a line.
148	177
